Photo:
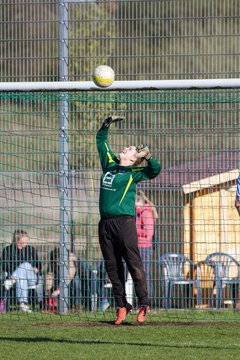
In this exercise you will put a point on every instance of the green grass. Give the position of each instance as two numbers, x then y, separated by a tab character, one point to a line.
44	336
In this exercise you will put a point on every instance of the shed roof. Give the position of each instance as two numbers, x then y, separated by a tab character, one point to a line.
217	168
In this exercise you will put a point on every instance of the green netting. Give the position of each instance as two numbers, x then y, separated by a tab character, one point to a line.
195	136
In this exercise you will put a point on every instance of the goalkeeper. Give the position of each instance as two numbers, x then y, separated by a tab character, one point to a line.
117	227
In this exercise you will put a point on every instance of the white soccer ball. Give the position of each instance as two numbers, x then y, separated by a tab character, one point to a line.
103	76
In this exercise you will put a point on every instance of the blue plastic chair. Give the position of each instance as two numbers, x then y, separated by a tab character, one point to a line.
222	264
174	268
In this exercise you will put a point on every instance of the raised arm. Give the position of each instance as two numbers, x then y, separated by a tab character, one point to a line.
106	155
152	169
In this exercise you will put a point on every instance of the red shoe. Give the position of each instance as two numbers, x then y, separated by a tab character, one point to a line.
122	313
142	313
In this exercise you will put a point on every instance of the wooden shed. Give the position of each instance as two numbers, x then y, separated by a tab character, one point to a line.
204	195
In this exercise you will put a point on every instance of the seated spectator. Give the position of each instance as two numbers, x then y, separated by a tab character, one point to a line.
22	268
77	281
94	279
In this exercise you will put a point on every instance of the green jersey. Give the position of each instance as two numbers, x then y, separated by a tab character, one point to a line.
118	183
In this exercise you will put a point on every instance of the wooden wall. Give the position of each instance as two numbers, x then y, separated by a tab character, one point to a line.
211	224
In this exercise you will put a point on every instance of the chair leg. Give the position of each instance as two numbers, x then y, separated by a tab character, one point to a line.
166	295
199	294
219	291
210	298
94	291
234	291
169	297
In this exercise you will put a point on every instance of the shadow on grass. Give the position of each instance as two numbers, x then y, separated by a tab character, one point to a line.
109	342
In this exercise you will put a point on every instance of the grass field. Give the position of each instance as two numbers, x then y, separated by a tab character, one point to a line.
95	337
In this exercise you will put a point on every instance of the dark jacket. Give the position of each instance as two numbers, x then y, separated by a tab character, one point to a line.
118	183
13	257
82	270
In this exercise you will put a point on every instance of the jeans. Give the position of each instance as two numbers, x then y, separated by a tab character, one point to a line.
76	291
146	256
26	278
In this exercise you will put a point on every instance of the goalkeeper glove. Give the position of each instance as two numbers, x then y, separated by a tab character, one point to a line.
143	152
109	120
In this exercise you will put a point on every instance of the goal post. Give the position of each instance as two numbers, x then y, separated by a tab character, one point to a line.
49	174
121	85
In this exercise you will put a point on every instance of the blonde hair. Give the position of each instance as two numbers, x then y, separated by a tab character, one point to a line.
142	196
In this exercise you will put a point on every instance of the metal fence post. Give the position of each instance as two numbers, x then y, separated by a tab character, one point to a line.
63	158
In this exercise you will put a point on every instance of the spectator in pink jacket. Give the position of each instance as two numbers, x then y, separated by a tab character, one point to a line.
145	218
